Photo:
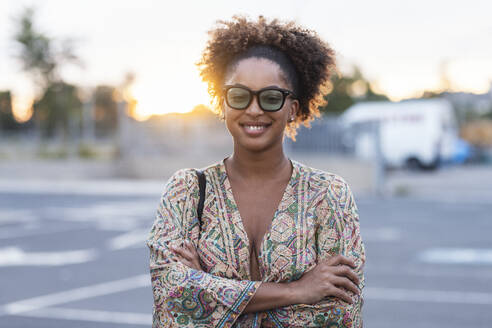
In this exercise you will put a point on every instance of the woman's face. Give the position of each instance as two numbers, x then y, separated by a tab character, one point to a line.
252	128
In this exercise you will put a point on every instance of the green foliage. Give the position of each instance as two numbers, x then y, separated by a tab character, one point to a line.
36	55
59	110
487	115
46	153
87	152
347	90
402	190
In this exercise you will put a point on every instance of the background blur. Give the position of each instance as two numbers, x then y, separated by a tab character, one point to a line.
101	101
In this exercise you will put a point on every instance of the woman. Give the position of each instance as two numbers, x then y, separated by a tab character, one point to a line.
278	244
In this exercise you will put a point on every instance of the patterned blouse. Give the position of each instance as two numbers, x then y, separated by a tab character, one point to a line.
316	218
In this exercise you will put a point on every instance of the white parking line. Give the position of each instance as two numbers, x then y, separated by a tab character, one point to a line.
132	239
386	234
76	294
84	187
22	232
16	216
427	296
457	256
92	315
15	256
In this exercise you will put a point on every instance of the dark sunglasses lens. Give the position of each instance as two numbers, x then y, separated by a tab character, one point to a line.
238	98
271	99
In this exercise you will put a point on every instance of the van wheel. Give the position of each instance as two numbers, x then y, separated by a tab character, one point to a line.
434	165
413	164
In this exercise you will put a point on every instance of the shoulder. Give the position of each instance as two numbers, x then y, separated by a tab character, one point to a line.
186	178
180	178
324	180
332	188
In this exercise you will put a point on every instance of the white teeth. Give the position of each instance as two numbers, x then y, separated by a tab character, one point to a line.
255	127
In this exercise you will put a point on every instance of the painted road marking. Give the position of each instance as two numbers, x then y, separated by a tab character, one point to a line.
42	307
15	216
23	232
15	256
76	294
85	187
427	296
386	234
92	315
132	239
457	256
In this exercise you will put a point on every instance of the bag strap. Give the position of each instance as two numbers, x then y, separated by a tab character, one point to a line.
202	183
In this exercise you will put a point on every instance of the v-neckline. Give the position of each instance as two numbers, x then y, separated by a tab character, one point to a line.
287	191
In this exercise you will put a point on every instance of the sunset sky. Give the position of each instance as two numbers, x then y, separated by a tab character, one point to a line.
402	47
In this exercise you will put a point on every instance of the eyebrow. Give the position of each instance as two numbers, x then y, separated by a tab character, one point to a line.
268	86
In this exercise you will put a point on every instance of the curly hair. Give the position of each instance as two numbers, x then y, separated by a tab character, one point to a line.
312	58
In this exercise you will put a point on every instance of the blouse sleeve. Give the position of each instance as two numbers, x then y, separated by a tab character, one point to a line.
184	297
338	232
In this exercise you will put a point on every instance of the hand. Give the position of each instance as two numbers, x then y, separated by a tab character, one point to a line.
188	255
328	278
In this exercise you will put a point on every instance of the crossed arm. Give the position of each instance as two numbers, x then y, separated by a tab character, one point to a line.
328	278
334	278
184	294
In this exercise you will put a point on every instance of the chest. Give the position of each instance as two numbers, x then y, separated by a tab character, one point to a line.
257	207
266	232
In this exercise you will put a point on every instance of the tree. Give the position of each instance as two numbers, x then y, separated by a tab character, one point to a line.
58	103
347	90
7	121
59	110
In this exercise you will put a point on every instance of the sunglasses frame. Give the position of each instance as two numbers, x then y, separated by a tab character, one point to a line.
252	93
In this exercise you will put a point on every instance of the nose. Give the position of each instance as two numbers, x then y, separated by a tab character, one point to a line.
254	108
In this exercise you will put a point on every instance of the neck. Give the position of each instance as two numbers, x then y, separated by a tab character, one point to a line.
259	166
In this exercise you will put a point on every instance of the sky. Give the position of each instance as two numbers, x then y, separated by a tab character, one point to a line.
401	47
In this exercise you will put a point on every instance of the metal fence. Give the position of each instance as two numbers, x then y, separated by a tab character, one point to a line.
326	135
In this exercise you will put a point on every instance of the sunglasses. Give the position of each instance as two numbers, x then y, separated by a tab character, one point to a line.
270	99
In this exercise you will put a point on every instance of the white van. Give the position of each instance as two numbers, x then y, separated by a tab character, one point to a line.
415	133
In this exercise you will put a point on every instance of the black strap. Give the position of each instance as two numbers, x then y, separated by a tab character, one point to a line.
202	183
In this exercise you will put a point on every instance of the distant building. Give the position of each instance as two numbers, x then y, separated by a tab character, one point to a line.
469	106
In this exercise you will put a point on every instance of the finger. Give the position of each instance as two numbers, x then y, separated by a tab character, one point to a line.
347	272
337	292
345	282
195	258
192	250
175	249
187	263
189	245
340	260
197	265
187	254
180	251
172	259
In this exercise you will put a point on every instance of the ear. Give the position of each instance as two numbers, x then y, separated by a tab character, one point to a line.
294	108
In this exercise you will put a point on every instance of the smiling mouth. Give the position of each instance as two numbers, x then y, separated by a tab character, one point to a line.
255	129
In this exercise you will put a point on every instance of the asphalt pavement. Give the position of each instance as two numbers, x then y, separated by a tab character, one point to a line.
78	259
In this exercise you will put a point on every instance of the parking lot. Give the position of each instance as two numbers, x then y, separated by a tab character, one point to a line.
74	254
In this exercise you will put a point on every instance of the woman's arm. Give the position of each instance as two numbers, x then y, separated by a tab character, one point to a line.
333	286
183	296
326	279
338	233
323	280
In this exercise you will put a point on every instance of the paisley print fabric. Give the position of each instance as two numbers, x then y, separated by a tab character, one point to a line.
316	218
